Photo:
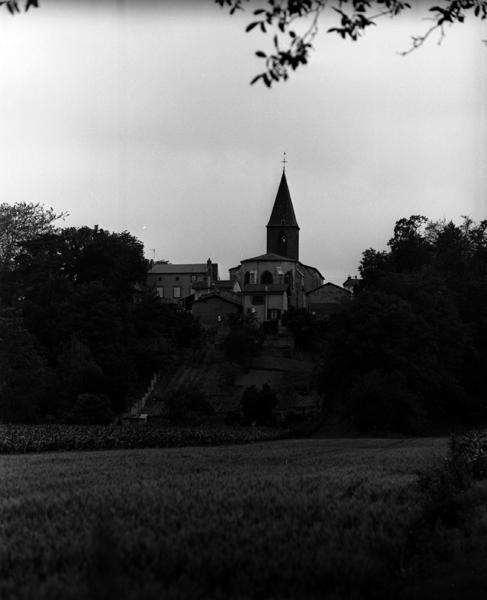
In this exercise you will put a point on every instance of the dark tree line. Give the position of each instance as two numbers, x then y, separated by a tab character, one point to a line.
411	350
77	319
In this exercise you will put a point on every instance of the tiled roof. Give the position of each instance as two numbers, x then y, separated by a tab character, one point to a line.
329	284
173	269
270	256
283	211
226	296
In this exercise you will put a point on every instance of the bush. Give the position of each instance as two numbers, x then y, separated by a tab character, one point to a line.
90	409
472	448
244	340
257	405
186	403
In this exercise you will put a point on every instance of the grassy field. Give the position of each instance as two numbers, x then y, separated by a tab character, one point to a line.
285	519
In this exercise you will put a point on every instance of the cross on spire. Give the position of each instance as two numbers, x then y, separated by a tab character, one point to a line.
284	161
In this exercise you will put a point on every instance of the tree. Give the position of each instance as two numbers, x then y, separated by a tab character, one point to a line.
418	327
20	223
295	23
23	371
244	339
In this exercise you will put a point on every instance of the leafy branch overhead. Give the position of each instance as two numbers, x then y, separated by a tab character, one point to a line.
294	24
14	6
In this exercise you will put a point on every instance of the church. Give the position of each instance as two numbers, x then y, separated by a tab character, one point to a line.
273	282
266	285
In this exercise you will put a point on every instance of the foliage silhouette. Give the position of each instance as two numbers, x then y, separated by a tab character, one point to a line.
294	25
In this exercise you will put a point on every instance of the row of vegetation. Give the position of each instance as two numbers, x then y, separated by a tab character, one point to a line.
19	439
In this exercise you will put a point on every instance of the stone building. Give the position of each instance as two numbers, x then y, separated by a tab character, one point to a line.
173	283
216	307
327	299
273	282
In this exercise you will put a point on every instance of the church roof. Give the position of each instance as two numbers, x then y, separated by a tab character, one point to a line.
283	211
269	256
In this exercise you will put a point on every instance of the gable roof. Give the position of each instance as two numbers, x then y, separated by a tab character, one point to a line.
182	268
225	296
283	210
270	256
329	284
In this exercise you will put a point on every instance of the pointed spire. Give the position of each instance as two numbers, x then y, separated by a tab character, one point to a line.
283	211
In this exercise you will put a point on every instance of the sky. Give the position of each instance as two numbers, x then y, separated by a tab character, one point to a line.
139	116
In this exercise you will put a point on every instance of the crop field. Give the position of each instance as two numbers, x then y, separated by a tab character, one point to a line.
282	519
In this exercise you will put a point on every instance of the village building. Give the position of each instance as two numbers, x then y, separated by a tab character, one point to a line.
327	299
173	283
266	286
273	282
216	307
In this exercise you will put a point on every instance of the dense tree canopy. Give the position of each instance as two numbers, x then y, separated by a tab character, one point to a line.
22	222
411	350
89	333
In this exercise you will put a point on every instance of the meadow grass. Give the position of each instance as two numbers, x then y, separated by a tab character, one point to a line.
285	519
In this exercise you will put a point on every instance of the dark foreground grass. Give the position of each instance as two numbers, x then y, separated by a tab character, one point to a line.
286	519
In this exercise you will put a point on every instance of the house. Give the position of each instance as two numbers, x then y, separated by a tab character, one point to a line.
215	307
273	282
200	288
327	299
176	282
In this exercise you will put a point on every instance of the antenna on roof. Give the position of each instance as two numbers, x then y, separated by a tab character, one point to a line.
284	161
153	250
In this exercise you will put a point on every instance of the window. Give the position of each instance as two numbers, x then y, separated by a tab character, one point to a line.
193	277
177	278
247	277
258	300
160	292
177	292
283	243
253	277
266	277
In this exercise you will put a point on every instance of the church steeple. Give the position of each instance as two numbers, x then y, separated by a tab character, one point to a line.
283	229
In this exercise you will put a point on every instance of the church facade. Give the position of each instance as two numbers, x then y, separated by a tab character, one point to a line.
273	282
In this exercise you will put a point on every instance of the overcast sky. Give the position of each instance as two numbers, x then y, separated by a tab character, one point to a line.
139	116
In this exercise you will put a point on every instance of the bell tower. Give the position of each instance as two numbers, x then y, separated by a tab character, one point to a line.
283	229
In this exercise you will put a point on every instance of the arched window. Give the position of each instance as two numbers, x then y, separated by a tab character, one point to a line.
282	243
247	278
266	277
